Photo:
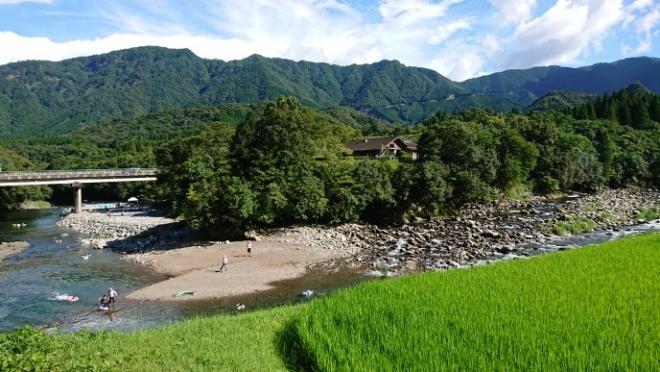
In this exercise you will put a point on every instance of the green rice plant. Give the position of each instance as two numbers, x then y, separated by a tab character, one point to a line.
594	308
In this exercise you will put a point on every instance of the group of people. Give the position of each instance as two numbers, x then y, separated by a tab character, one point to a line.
225	259
107	300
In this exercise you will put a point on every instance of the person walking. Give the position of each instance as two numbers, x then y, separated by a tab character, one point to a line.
249	248
112	294
225	263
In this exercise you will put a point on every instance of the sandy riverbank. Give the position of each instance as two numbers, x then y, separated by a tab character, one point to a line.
195	268
12	248
280	254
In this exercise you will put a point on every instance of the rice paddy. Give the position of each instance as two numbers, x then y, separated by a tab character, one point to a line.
590	308
584	309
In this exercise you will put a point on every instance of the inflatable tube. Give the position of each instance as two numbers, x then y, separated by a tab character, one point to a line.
66	297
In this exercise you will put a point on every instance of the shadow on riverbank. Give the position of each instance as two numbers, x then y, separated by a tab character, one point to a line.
165	237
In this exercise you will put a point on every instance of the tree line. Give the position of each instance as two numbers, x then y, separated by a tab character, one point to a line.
634	106
287	166
281	163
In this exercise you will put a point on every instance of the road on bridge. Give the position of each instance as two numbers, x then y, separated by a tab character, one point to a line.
76	178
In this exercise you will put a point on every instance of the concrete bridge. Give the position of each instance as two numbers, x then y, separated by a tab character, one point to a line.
76	178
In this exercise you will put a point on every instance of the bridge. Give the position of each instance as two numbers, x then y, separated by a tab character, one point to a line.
76	178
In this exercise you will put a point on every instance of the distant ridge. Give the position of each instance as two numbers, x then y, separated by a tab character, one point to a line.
525	86
560	100
38	97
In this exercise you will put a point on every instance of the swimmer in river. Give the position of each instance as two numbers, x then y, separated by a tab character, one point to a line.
104	302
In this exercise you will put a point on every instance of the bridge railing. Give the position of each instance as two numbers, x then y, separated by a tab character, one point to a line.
77	173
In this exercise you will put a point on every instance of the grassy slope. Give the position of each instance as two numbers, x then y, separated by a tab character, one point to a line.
593	308
247	342
584	309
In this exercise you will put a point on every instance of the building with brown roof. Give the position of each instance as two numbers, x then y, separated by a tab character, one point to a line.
383	147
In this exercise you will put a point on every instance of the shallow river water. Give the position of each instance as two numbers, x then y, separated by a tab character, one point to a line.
53	265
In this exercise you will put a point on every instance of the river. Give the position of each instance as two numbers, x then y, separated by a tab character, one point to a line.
53	265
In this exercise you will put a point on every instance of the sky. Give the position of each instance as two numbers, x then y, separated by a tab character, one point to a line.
460	39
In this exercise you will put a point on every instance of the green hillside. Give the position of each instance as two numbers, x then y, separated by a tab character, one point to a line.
525	86
559	100
635	106
56	97
38	97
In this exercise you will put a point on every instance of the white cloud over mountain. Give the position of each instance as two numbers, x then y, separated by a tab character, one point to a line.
560	35
424	33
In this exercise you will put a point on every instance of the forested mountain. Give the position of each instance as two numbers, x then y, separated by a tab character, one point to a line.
129	142
560	100
55	97
525	86
39	97
633	106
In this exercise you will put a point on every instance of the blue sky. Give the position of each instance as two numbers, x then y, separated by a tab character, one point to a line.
458	38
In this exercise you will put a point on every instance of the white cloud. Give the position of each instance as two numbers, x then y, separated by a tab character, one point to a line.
513	11
445	31
645	24
569	29
648	22
410	12
641	4
422	33
20	48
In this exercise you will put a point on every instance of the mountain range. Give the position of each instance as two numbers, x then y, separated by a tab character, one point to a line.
38	97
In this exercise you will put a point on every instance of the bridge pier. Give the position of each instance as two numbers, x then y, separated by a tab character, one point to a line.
77	198
77	178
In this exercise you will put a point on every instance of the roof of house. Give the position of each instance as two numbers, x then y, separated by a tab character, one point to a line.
412	146
377	143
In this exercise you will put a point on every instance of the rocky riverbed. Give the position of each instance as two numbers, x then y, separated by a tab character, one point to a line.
479	232
103	227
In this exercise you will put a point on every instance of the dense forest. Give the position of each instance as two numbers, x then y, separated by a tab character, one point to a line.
634	106
12	197
131	142
560	101
281	162
38	97
288	166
